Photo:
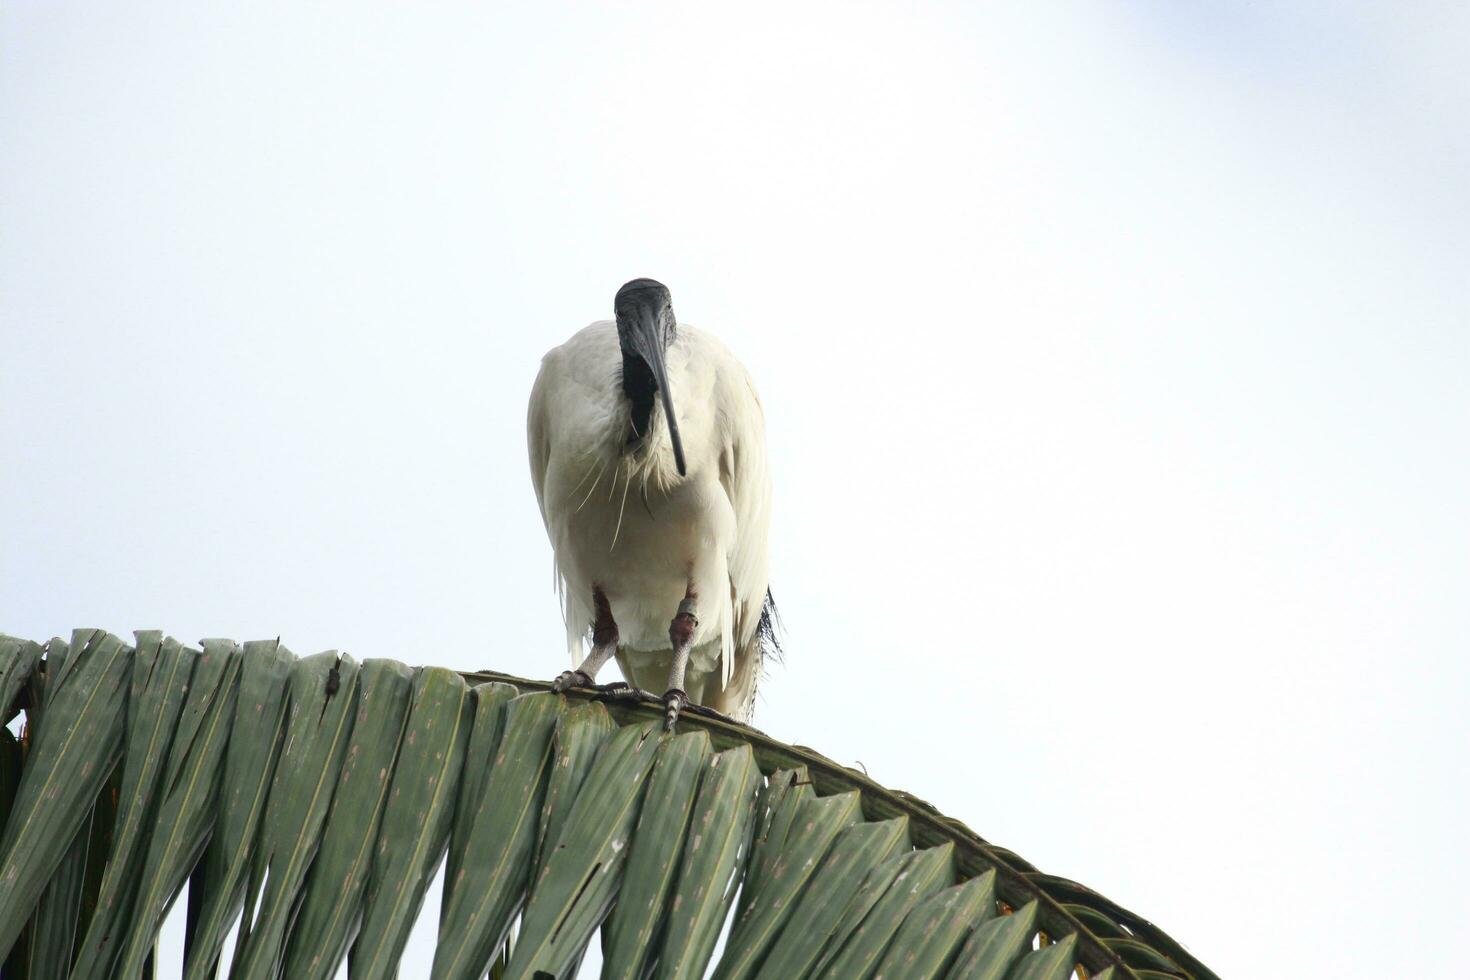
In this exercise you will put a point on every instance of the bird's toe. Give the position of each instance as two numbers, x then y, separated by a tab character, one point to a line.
707	712
675	701
568	679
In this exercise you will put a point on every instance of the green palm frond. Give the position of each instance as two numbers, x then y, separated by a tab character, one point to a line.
308	803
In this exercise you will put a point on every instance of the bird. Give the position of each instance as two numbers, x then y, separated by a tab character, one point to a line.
648	456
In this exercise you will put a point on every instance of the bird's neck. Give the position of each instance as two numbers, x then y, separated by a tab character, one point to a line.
639	387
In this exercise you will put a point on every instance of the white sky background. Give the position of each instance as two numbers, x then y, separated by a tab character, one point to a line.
1114	361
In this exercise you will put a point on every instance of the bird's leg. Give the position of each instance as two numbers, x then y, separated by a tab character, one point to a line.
681	637
604	645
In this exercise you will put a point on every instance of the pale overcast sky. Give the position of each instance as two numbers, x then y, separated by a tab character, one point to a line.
1114	356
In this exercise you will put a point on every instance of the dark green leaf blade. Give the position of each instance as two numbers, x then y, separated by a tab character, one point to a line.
808	839
161	674
1054	962
782	797
716	850
52	932
490	884
249	766
630	937
75	748
857	852
186	811
10	763
1139	955
416	820
930	938
583	864
323	704
921	875
579	736
486	727
331	907
995	945
18	659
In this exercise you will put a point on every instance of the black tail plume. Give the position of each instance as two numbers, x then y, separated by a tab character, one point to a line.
770	629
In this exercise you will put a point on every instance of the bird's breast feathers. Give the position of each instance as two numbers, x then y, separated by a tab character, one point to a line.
592	419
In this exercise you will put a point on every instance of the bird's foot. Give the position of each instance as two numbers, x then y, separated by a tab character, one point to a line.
675	701
707	712
623	691
568	679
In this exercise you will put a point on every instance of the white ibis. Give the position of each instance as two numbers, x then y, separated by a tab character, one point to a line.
648	452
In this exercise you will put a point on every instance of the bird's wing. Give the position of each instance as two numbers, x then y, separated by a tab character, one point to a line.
538	439
745	476
538	445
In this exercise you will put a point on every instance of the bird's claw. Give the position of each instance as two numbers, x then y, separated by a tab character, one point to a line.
568	679
675	701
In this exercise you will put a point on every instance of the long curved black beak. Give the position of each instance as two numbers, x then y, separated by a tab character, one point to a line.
647	341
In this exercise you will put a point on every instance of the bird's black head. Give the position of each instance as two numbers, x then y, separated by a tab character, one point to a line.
646	328
645	302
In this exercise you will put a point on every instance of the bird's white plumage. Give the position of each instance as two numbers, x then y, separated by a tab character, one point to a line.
622	520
